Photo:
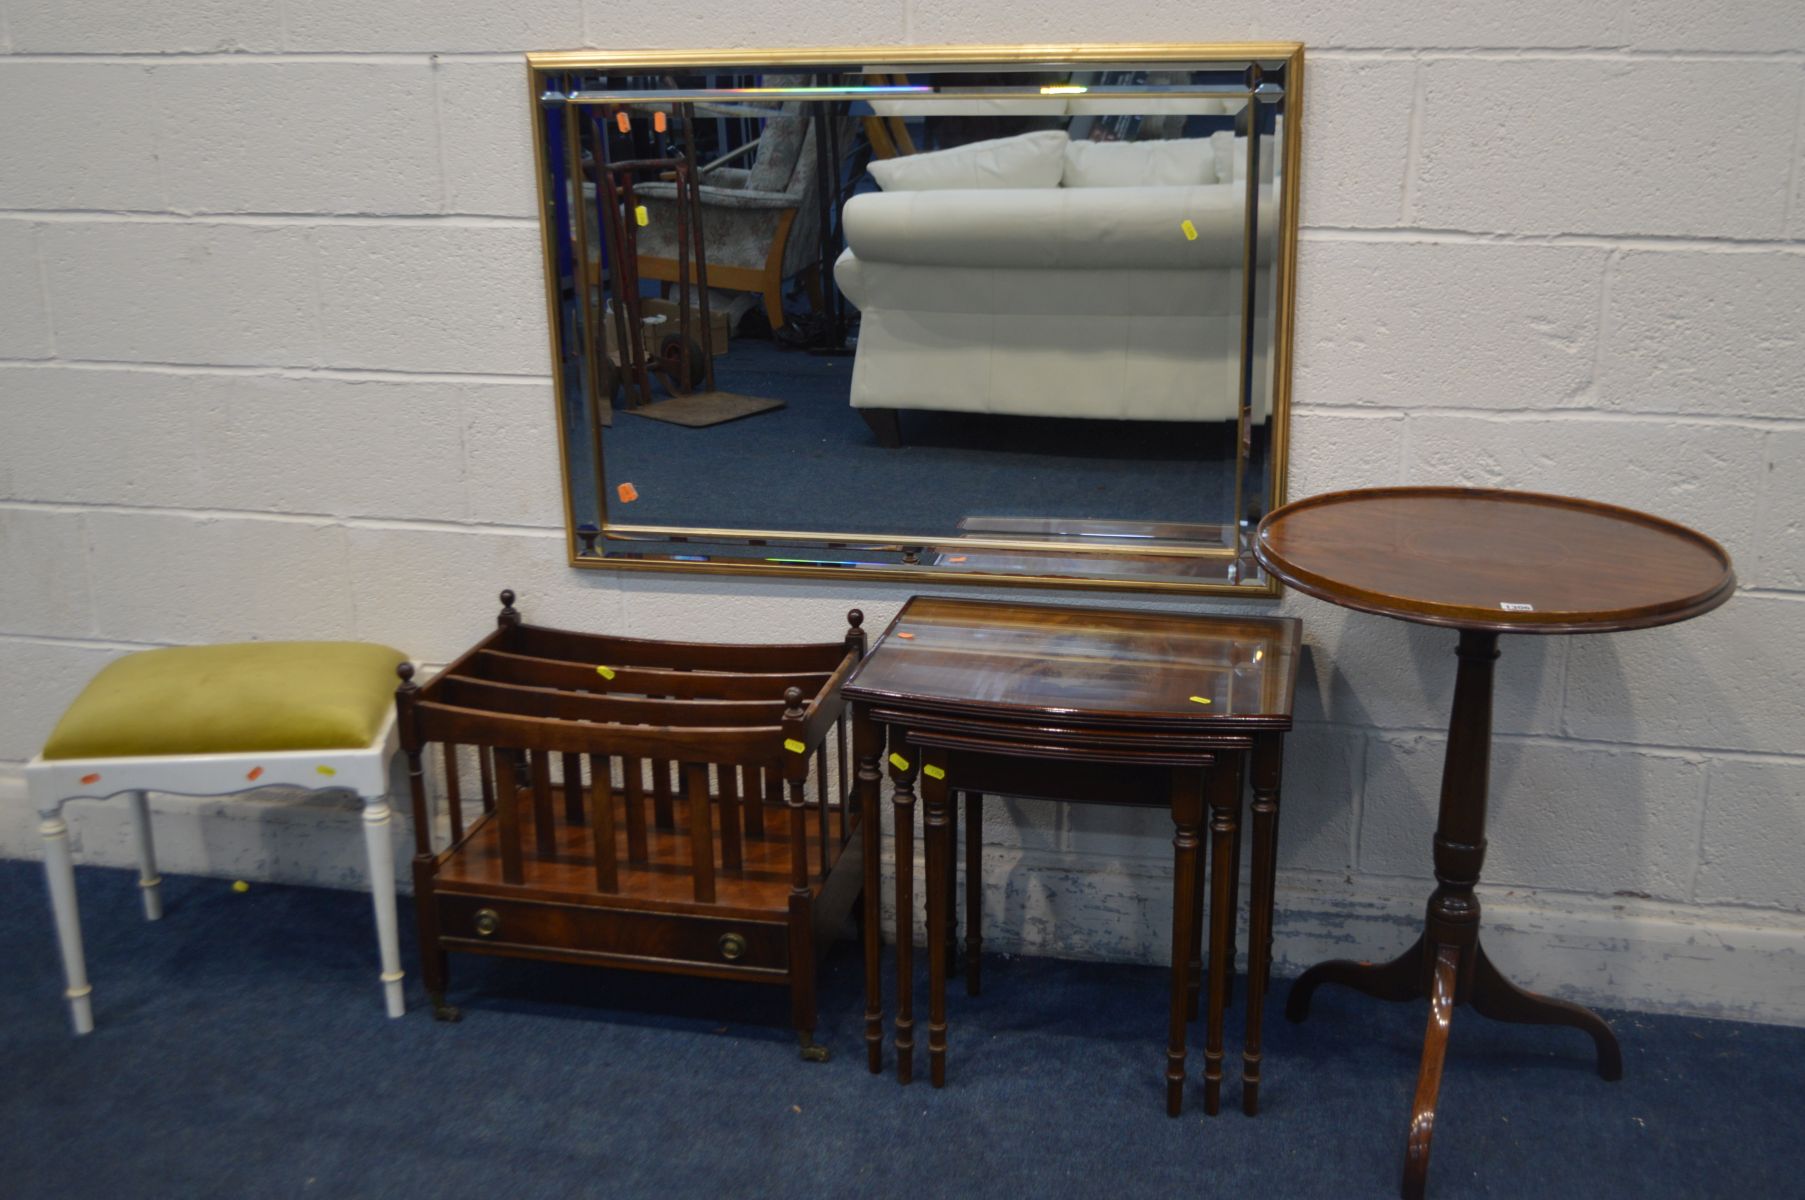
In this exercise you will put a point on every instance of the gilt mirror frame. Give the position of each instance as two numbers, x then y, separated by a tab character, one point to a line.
854	60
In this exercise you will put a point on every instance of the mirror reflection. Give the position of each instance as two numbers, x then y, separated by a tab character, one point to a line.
992	323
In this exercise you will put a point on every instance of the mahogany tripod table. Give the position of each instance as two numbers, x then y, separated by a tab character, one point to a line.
1076	704
1483	562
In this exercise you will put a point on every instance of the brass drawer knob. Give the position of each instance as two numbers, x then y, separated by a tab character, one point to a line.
487	922
733	946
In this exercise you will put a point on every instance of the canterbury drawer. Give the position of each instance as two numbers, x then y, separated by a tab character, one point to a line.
612	935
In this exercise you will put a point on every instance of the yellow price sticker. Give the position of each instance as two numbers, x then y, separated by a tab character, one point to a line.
794	746
1190	230
1200	700
933	772
605	672
899	762
641	215
326	770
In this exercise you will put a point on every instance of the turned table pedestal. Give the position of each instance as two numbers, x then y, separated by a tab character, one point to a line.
1482	562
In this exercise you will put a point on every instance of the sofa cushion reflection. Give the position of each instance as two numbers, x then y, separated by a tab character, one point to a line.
1067	279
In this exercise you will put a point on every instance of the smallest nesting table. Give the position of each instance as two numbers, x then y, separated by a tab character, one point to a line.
1078	704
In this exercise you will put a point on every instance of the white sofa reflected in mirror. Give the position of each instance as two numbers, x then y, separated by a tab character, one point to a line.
1039	276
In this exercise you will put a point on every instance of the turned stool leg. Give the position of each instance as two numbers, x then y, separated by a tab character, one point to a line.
148	879
377	843
59	872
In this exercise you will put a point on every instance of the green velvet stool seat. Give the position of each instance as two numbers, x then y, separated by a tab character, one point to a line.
222	720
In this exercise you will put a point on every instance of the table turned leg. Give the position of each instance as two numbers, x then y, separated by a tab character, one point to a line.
1451	930
867	748
902	775
1399	979
1442	990
1194	966
1234	898
951	911
974	891
1267	760
1447	963
1187	815
1494	996
1225	820
937	833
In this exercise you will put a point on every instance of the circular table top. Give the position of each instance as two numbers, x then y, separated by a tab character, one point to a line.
1478	558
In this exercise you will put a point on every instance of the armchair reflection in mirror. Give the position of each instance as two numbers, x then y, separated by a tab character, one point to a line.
1005	315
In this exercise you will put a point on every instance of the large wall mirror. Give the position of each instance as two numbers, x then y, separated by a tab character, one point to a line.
1000	315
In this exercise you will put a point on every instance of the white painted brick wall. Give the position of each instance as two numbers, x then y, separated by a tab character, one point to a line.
181	291
1634	146
1753	825
436	297
251	137
108	162
1698	332
24	318
1780	538
1354	143
487	126
1603	845
273	364
1447	324
192	27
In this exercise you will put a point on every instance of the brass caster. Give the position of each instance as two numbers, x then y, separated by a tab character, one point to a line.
813	1051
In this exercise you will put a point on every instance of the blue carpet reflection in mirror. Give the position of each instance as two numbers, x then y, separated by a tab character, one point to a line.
815	465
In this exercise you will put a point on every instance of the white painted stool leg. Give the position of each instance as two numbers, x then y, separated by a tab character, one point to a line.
59	870
377	824
148	879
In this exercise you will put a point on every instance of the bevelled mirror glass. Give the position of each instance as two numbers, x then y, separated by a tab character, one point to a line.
999	315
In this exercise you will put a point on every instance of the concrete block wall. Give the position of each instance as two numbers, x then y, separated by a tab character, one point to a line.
273	364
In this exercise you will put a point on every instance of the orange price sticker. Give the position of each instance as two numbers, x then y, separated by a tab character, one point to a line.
254	774
905	635
621	120
658	121
627	493
90	779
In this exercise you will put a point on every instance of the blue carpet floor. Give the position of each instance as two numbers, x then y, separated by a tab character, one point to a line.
241	1052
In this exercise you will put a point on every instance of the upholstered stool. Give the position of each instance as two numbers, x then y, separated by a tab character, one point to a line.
220	720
